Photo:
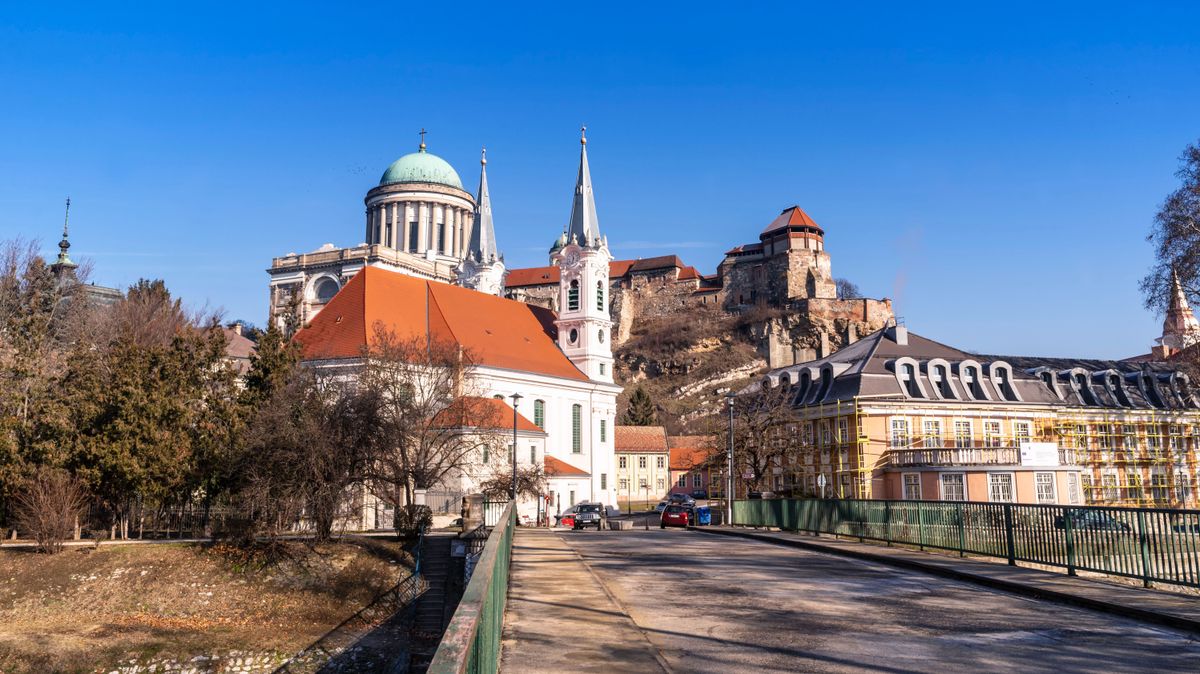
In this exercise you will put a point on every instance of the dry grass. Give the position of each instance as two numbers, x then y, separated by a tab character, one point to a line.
83	609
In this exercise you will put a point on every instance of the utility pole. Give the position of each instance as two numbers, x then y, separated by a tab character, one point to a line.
516	398
729	398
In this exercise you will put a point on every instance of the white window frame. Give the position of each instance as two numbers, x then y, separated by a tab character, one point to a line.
991	439
904	484
1012	488
970	437
1038	484
931	429
1074	488
942	486
895	424
1022	436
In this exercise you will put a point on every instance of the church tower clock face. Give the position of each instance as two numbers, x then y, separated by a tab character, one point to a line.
572	257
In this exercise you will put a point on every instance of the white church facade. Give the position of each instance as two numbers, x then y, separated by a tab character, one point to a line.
430	267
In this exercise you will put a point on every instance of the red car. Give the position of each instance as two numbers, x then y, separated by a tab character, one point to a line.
674	516
567	520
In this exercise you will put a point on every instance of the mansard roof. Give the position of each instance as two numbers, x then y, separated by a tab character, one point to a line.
896	364
497	332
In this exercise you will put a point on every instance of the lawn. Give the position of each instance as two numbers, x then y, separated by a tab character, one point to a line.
85	610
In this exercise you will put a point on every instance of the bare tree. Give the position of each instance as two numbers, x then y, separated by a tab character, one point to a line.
1176	236
432	424
763	432
48	507
531	482
846	289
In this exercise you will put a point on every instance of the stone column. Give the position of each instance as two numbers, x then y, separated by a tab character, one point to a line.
409	244
422	227
395	225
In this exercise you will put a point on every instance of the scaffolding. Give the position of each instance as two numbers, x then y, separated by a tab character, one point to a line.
1134	457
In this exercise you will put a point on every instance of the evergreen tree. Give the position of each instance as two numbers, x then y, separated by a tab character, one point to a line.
640	411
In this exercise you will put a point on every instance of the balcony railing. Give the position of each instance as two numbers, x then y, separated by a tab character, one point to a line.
965	456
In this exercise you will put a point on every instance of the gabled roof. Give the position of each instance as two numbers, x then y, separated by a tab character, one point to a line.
540	276
690	451
484	413
793	216
640	439
559	468
497	332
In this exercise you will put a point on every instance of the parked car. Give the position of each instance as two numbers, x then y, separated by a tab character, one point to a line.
567	520
699	494
674	516
661	506
680	498
589	515
1095	520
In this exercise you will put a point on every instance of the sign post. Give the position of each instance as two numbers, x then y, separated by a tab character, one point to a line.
821	482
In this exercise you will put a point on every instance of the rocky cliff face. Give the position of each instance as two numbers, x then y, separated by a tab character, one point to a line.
688	360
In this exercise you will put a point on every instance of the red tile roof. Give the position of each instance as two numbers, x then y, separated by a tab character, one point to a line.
793	216
540	276
640	439
559	468
489	413
690	451
496	331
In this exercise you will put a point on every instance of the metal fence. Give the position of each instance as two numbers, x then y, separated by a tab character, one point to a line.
492	512
1153	544
471	642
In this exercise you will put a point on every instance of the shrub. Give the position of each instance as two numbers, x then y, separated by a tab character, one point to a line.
48	505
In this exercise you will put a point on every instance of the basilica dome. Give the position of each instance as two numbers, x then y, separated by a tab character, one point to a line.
421	167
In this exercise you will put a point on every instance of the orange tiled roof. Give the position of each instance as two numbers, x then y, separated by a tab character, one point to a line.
559	468
640	439
490	413
540	276
496	331
793	216
687	458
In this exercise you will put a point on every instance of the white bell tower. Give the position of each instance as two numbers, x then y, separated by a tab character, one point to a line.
482	268
584	323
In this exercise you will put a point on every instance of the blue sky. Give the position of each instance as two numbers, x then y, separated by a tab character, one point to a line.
994	171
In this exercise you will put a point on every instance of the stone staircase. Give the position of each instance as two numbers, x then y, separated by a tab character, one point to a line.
435	606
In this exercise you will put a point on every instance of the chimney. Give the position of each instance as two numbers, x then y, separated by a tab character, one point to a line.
898	334
237	328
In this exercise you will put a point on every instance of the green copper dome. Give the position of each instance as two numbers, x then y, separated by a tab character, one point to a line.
421	167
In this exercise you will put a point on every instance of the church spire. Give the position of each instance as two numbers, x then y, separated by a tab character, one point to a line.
483	234
1180	328
584	227
64	259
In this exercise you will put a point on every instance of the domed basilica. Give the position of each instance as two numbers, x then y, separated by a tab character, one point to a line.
419	221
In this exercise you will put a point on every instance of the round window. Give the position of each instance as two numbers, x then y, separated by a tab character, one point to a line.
573	336
600	335
325	289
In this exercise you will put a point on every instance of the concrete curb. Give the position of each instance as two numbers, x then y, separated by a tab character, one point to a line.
1138	613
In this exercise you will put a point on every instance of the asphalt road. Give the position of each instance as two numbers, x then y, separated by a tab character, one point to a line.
709	604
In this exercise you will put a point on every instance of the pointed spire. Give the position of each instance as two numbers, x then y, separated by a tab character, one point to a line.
584	226
1180	328
483	235
64	260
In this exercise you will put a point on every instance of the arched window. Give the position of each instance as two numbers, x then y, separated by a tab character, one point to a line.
573	295
600	295
325	289
539	413
576	429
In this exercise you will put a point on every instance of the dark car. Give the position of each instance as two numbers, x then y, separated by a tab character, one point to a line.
589	515
679	498
674	516
699	494
1094	520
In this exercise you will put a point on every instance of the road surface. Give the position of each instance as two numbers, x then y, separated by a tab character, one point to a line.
683	601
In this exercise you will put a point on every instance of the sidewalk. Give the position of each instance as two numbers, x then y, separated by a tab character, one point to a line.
1173	610
560	618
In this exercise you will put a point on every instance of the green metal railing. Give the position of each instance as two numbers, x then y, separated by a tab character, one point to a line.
471	642
1155	545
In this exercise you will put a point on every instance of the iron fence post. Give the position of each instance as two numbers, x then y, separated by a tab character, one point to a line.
1009	537
1069	532
887	522
1143	540
920	525
962	531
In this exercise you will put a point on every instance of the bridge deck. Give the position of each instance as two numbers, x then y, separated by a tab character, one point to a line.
688	602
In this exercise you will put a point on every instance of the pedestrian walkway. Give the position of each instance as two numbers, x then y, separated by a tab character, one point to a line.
560	617
1165	608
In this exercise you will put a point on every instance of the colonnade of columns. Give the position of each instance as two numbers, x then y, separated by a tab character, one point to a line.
418	226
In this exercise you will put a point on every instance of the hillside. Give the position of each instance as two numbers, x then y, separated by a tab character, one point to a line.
98	610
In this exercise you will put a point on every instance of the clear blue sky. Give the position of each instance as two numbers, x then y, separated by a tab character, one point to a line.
993	171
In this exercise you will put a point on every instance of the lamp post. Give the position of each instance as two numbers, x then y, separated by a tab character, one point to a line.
729	398
512	492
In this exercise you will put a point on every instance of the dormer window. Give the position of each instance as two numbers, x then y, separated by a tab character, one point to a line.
1152	391
970	380
1084	390
941	379
826	382
803	387
908	379
1003	380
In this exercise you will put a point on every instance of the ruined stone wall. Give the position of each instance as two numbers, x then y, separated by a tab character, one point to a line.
809	329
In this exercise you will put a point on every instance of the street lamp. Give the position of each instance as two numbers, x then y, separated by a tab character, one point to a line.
512	493
729	398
